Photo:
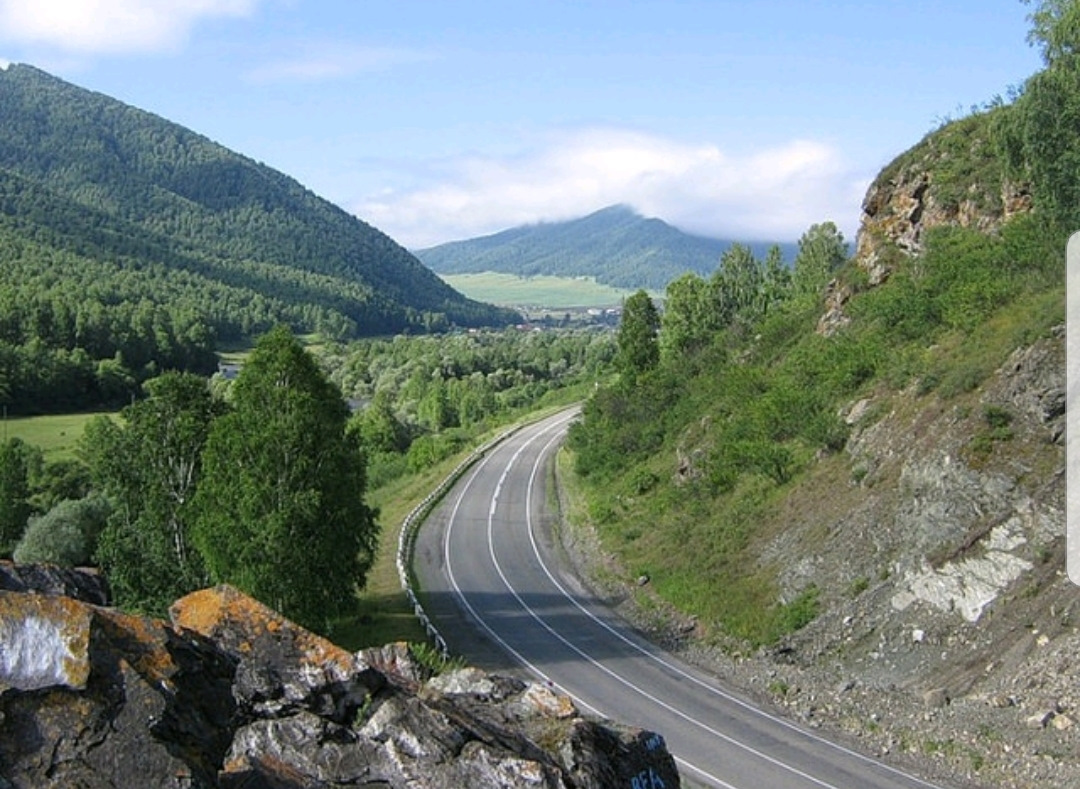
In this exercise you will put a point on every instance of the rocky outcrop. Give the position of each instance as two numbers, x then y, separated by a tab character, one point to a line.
232	695
953	177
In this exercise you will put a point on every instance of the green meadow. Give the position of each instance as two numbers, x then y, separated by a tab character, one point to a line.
56	434
541	291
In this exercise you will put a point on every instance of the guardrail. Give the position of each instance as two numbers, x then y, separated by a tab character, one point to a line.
411	524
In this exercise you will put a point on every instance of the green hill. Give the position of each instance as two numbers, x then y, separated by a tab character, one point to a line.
856	486
616	246
130	244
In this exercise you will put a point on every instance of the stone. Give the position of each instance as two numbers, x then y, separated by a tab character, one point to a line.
1062	722
79	584
282	667
935	698
233	695
1040	720
44	642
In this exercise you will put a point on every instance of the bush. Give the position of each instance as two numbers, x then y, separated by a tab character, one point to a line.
66	535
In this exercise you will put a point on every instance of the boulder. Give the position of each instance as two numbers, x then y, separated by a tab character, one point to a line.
232	695
80	584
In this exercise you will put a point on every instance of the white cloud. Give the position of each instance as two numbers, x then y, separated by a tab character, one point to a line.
771	194
317	62
89	26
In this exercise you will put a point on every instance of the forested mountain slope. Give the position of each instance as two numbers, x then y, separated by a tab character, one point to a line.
129	240
615	245
852	482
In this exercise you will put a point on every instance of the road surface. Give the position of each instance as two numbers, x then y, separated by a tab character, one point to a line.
493	585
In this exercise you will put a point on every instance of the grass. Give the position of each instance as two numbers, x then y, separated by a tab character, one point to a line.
542	291
56	435
383	612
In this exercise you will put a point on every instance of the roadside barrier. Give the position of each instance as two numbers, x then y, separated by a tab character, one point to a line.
411	525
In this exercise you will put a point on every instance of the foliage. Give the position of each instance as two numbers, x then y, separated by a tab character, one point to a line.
130	245
149	465
822	251
66	534
746	396
639	351
14	492
422	398
1040	136
281	512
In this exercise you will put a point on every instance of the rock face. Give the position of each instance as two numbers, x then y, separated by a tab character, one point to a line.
232	695
953	177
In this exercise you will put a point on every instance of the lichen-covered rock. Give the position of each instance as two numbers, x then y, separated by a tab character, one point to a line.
233	695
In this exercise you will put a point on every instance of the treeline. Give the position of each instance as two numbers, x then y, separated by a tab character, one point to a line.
130	245
423	398
201	481
731	395
263	489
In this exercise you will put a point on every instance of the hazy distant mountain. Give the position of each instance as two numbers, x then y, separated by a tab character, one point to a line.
616	245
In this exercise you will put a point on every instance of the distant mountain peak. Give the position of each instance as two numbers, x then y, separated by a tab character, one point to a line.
615	244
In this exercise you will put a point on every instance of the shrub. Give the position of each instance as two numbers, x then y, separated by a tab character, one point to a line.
66	534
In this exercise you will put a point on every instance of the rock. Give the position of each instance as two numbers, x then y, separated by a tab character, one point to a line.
282	667
79	584
1040	719
1062	722
935	698
136	704
233	695
44	642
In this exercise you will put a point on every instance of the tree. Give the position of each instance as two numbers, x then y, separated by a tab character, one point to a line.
281	511
822	251
637	337
149	465
687	323
1039	134
14	492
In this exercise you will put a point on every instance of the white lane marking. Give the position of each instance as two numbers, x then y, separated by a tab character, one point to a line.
675	668
604	669
719	782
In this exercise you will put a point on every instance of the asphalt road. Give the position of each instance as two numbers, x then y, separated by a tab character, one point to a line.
493	585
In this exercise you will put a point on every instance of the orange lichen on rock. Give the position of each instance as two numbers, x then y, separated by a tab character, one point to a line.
239	622
143	641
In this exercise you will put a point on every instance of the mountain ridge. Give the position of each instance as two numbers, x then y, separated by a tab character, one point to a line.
616	245
170	181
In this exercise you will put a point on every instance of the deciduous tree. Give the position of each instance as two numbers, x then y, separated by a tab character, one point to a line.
639	350
149	466
281	504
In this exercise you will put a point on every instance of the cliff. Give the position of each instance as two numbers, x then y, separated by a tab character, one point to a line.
230	694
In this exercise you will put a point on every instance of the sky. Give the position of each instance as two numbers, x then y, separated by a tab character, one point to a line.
447	119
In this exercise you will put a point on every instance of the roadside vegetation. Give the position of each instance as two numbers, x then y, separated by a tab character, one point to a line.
733	398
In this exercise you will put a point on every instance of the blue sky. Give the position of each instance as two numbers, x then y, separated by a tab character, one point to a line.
435	121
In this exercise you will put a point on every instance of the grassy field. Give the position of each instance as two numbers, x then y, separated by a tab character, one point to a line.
550	292
56	435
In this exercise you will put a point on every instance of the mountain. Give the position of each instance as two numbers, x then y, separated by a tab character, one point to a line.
110	169
130	240
616	245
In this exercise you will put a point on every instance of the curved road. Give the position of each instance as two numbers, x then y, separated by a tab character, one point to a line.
493	586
